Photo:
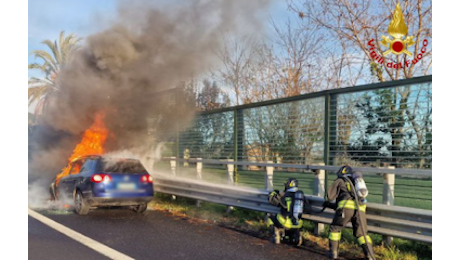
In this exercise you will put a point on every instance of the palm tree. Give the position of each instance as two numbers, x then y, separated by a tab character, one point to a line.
40	89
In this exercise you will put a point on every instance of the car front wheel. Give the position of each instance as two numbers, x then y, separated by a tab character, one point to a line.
81	207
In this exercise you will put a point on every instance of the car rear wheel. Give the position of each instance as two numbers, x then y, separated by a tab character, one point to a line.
81	207
140	208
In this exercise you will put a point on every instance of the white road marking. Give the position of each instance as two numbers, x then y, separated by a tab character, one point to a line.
91	243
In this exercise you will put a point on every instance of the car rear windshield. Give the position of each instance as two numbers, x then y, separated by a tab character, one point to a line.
122	166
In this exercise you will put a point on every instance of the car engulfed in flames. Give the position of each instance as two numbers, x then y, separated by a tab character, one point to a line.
92	143
92	180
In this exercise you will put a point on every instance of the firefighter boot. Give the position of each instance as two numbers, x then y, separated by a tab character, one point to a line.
290	237
275	232
297	238
333	249
368	251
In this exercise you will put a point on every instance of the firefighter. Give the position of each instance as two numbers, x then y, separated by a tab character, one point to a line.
348	208
288	221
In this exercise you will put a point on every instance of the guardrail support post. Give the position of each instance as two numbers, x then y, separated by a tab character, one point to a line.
320	176
199	167
173	170
230	172
388	196
269	177
268	182
173	165
230	179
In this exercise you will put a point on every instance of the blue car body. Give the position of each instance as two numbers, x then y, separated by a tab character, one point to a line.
96	181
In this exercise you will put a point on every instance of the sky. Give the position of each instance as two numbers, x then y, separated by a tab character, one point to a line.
47	18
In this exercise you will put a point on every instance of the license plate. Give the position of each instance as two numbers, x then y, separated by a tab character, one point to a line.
126	186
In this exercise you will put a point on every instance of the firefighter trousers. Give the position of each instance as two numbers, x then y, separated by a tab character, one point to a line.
343	217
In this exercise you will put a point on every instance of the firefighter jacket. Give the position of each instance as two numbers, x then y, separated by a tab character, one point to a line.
341	191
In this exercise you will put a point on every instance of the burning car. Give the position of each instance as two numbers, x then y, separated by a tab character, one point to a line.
96	181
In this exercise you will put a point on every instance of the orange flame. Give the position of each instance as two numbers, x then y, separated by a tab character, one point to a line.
93	139
397	27
92	143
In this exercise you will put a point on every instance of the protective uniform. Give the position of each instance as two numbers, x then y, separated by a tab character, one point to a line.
346	211
288	221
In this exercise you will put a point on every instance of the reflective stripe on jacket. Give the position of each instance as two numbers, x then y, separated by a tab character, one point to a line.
287	223
350	204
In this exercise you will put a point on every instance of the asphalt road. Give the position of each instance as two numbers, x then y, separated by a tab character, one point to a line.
157	235
46	243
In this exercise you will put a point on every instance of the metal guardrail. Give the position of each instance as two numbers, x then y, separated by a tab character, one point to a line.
408	223
382	170
387	220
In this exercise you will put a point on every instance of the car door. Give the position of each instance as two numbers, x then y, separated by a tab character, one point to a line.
70	180
61	181
83	178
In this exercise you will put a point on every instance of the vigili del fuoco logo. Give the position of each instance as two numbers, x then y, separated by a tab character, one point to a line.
397	43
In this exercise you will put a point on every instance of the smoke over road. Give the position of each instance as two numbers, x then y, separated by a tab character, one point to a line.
148	48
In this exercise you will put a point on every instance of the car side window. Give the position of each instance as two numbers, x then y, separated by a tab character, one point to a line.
98	165
87	167
77	167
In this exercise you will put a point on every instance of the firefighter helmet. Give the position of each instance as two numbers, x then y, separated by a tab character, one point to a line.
291	183
344	171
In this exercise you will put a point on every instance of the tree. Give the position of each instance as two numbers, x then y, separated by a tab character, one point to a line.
211	97
238	56
394	129
210	136
352	23
51	63
283	65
